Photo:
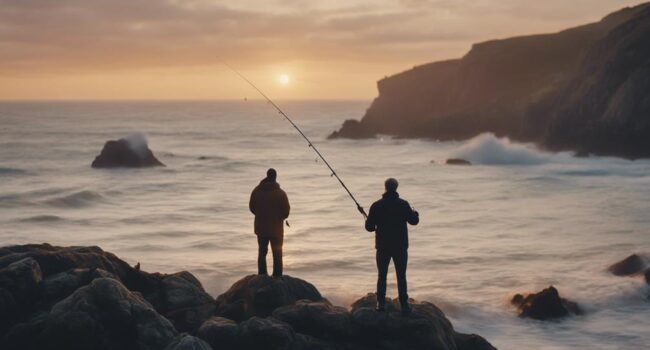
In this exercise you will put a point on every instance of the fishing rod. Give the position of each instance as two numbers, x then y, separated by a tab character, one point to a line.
311	144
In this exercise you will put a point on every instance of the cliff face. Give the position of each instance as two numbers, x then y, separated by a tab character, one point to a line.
510	87
605	107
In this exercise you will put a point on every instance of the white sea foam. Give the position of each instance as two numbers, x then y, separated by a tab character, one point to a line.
138	143
491	150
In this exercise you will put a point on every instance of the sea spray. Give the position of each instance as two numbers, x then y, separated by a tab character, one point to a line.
138	143
490	150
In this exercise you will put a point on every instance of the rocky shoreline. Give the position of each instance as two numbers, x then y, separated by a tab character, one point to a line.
86	298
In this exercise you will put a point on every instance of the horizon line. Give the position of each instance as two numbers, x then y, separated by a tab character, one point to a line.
181	100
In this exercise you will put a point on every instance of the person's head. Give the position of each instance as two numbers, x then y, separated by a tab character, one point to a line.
271	174
391	185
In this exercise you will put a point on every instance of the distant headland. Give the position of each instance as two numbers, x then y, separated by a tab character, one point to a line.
584	89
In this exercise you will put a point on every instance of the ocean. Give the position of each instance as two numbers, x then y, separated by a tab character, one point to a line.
516	221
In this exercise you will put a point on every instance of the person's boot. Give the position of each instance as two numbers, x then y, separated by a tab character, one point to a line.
381	304
406	308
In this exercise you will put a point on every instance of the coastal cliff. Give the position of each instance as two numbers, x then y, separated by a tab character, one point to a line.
582	89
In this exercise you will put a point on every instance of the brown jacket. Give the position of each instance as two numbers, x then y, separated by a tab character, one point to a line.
270	205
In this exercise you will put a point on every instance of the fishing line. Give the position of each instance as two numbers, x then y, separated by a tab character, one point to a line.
309	143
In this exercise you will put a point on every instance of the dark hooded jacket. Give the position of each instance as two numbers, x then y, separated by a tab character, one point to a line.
270	205
388	217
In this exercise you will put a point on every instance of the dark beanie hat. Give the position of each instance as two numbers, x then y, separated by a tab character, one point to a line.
271	174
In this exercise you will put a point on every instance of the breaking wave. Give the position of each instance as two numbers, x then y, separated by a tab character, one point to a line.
491	150
76	200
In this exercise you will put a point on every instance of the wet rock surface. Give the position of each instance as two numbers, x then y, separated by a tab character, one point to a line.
122	153
457	161
545	305
101	315
259	295
86	298
188	342
632	265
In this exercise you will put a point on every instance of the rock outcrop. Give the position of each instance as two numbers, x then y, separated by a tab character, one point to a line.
101	315
582	89
40	282
545	305
86	298
259	295
309	324
457	161
126	153
632	265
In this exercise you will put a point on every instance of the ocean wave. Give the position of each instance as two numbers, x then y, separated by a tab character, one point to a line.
488	149
42	218
76	200
586	172
11	171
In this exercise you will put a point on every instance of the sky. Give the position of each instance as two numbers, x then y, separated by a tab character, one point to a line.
293	49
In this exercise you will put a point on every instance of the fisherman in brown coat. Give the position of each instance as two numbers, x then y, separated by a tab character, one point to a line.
270	205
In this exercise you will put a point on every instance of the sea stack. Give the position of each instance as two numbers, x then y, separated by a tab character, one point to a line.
130	152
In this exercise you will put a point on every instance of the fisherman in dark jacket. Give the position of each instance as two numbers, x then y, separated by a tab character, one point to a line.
270	205
388	217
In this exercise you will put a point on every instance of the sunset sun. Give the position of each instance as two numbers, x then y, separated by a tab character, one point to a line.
284	79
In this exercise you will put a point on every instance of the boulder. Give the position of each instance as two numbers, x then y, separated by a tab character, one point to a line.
10	313
126	152
265	333
59	285
307	342
22	279
101	315
545	305
425	328
259	295
219	332
53	260
632	265
183	300
317	318
188	342
179	297
457	161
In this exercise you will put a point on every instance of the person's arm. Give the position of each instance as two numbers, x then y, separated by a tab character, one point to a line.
412	216
251	202
285	205
371	221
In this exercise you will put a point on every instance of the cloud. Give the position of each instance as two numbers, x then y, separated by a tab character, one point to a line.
41	38
79	34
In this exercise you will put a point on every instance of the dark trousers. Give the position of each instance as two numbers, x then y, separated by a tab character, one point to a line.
400	259
276	247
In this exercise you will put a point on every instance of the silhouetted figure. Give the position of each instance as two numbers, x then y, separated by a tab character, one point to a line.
270	205
388	217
